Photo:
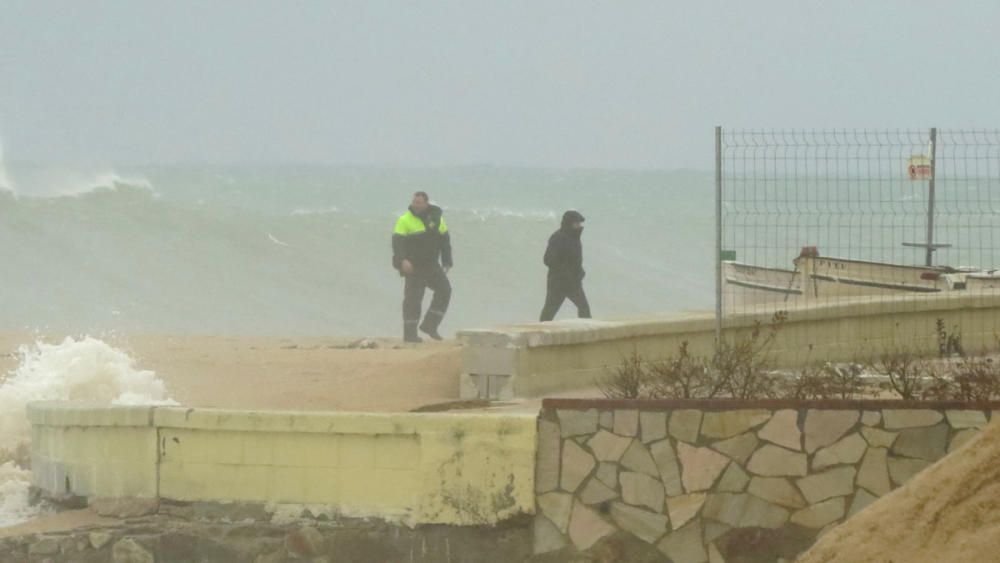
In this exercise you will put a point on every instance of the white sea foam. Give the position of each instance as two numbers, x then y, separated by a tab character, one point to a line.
103	182
84	370
14	485
73	184
486	214
322	211
276	241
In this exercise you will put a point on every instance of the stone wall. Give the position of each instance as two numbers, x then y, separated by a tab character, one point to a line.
723	480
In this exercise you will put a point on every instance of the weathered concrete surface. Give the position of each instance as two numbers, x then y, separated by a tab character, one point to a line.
536	359
419	468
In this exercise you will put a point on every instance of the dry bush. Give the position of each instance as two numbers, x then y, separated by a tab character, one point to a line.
682	376
905	370
970	379
829	381
742	370
810	383
745	368
627	381
977	379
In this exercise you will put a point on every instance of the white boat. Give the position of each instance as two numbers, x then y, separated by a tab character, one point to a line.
816	277
983	281
755	284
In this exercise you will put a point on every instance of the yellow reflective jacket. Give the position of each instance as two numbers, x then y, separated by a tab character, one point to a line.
423	239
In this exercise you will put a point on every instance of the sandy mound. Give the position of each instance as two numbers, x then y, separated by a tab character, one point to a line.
948	512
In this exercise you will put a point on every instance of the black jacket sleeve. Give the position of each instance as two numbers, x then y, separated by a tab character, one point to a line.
446	250
397	251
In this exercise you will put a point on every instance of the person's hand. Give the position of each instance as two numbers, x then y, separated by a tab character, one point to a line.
406	267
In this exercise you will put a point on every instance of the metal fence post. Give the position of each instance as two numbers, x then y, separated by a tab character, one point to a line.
930	200
718	236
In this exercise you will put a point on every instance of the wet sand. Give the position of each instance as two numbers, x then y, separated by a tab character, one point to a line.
309	373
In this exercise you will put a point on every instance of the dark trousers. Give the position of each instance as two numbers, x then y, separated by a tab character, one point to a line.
420	280
557	293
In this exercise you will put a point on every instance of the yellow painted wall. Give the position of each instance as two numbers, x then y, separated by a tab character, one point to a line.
447	468
93	451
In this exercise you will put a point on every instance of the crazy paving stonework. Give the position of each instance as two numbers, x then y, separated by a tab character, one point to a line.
716	481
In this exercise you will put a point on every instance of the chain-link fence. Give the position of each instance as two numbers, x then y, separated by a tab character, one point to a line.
824	219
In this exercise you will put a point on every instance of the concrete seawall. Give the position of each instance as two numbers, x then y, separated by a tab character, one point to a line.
440	468
542	358
668	480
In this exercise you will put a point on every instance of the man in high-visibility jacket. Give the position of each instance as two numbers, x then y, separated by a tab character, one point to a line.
421	252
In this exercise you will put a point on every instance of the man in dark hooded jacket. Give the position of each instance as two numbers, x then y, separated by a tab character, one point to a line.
421	251
564	257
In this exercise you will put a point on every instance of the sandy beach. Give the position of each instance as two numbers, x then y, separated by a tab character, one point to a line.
310	373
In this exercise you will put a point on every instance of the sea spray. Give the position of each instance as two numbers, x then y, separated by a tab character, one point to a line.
5	184
104	182
82	370
14	505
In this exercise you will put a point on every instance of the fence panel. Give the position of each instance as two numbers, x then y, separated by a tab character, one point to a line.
900	221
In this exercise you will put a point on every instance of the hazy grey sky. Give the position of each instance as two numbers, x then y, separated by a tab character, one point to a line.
583	84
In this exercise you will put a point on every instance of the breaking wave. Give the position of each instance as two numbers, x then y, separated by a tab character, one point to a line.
82	370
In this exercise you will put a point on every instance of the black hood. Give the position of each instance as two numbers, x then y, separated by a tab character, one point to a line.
571	217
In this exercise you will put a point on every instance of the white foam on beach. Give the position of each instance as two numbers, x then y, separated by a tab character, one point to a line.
82	370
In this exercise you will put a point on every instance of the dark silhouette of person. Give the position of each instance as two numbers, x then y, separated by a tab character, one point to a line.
564	257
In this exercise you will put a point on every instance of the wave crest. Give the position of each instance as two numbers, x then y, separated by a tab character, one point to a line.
107	182
488	213
304	212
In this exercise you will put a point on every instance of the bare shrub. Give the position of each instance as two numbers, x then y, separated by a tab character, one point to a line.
627	381
745	367
809	383
905	370
978	379
682	376
828	381
845	380
742	369
971	379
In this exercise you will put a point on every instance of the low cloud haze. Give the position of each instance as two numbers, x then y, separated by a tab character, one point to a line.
526	83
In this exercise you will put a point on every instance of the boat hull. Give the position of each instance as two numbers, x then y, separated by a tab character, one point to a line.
822	279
